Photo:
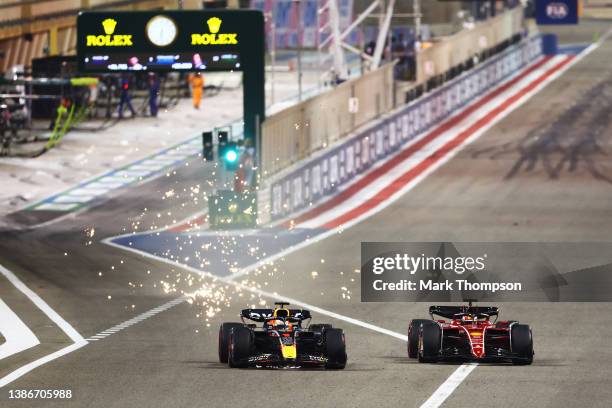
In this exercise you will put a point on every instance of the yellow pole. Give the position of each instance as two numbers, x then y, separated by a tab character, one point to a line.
53	41
26	14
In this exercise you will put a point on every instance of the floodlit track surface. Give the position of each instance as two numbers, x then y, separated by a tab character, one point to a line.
536	176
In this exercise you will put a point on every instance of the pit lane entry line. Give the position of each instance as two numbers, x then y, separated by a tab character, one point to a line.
78	340
137	319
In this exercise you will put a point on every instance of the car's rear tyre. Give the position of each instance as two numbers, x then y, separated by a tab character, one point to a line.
413	336
521	343
224	337
319	328
335	347
241	344
430	340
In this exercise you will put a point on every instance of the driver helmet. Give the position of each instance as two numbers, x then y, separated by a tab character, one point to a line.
279	324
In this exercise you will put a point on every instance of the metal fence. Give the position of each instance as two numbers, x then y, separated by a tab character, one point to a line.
296	132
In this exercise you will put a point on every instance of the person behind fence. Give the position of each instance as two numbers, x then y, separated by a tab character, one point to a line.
7	130
400	51
153	93
249	163
245	173
125	98
244	170
5	119
197	84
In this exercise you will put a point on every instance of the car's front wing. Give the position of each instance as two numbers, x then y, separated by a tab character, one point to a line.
271	360
491	355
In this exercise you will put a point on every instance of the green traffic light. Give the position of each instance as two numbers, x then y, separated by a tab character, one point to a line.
231	156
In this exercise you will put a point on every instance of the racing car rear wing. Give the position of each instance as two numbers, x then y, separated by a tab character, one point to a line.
261	315
449	312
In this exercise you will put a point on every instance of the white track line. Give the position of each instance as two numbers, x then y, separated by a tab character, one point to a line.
448	386
17	334
137	319
78	340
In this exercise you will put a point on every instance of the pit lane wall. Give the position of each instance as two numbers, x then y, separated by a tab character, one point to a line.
329	170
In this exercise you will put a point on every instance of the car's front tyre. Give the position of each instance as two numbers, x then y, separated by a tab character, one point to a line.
521	343
430	340
335	349
413	336
224	336
241	344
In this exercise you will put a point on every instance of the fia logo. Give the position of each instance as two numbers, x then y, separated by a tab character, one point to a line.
557	11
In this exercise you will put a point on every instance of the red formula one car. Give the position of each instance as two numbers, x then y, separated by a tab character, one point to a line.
469	335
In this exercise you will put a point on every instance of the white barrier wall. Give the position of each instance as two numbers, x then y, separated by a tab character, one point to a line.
295	133
448	52
322	175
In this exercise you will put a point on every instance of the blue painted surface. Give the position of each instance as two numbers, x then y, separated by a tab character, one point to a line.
180	155
572	49
549	44
218	252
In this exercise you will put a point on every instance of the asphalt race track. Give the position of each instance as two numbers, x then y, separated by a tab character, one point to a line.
543	173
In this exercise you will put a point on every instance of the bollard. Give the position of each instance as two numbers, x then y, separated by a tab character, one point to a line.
549	44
